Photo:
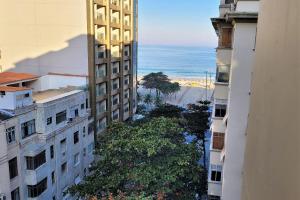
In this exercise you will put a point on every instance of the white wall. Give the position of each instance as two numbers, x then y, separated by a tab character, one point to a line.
9	100
238	109
58	81
247	6
44	36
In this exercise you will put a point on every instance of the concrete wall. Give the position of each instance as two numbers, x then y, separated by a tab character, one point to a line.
44	36
248	6
272	154
58	81
238	108
13	100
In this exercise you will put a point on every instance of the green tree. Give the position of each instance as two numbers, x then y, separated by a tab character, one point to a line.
148	99
150	161
197	122
170	88
166	110
155	81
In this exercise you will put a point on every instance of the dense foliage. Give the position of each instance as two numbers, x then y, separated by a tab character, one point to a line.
152	160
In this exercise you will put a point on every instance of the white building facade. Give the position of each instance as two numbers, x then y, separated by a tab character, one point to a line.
236	28
46	146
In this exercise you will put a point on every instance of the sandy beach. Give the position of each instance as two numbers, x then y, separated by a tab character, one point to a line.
192	90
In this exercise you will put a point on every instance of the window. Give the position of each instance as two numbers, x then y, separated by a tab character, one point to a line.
76	112
126	82
49	120
86	103
13	168
26	95
53	198
15	194
226	38
36	190
53	177
222	75
115	100
115	70
28	128
115	115
63	146
10	135
83	129
84	151
82	106
90	148
76	159
64	167
76	137
214	198
90	128
218	141
220	110
216	173
51	151
61	116
34	162
229	1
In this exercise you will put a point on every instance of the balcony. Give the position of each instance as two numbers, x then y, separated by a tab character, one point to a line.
100	19
101	2
32	177
126	9
115	39
100	38
115	5
115	22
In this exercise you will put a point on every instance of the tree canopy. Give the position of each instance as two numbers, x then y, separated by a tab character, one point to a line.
151	160
160	83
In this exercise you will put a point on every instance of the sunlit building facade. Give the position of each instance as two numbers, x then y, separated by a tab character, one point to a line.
96	39
236	28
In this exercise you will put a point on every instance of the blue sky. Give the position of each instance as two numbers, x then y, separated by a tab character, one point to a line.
177	22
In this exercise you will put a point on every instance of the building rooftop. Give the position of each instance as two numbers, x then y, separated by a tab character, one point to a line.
4	115
54	94
12	89
13	77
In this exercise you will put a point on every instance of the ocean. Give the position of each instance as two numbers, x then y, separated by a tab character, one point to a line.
177	62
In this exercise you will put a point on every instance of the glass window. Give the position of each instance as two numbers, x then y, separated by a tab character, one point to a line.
64	167
220	110
216	173
10	135
15	195
13	168
49	120
51	151
35	162
61	116
36	190
76	159
223	72
53	177
28	128
76	137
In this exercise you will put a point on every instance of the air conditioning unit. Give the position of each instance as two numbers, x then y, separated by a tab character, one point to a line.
2	197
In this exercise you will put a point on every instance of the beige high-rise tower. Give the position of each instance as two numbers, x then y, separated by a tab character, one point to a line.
96	39
273	141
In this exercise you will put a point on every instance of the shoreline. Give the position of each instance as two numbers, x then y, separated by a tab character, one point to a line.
191	81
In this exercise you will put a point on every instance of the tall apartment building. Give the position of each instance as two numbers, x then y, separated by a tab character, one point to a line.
236	28
272	151
45	143
78	38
